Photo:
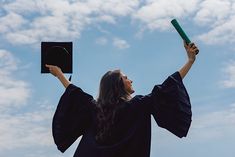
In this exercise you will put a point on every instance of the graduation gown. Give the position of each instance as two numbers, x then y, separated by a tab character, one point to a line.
75	116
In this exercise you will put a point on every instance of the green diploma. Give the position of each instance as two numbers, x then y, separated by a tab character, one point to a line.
181	31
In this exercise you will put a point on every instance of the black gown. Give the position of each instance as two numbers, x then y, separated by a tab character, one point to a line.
75	115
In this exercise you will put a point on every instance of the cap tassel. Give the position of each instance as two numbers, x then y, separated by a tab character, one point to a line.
70	77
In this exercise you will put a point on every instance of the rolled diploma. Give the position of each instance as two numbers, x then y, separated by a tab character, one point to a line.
181	32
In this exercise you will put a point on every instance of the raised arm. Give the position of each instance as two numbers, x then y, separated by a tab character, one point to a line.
56	71
191	50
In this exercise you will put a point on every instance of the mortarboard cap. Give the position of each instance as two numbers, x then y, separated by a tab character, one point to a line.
56	53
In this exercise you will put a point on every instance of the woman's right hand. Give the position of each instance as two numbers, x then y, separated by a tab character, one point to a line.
54	70
57	72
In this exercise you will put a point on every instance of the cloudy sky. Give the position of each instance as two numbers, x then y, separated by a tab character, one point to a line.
135	36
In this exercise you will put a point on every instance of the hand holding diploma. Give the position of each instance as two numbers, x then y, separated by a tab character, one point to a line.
182	33
191	50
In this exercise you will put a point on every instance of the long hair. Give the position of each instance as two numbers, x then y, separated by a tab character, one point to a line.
111	93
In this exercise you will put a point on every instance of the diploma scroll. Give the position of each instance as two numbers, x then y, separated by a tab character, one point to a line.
181	32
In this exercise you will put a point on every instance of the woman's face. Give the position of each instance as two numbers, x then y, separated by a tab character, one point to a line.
127	84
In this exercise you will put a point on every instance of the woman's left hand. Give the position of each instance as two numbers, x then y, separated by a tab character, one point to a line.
191	50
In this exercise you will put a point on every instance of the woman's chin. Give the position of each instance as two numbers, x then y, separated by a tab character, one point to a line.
132	91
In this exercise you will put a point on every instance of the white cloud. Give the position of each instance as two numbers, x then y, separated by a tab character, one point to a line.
156	14
25	130
21	6
101	41
220	34
117	42
218	17
58	19
120	43
118	7
21	126
229	71
13	92
107	19
8	62
213	11
214	125
11	22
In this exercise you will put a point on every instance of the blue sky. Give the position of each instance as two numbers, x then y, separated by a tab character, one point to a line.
135	36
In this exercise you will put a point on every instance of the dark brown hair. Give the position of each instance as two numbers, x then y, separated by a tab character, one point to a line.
111	93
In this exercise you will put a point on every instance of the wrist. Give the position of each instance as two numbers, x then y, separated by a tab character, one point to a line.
191	61
60	75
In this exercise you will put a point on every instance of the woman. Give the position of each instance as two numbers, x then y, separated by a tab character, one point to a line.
117	125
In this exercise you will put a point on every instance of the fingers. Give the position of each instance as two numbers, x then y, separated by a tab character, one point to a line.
192	48
190	45
52	69
185	44
49	66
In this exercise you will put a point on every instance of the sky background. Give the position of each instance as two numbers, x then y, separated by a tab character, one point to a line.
135	36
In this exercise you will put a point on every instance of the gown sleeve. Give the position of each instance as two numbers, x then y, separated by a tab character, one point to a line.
72	117
170	105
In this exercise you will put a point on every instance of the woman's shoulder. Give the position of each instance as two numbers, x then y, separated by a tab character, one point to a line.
139	103
132	104
137	99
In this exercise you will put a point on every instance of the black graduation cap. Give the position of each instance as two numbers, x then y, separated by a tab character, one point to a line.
57	53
